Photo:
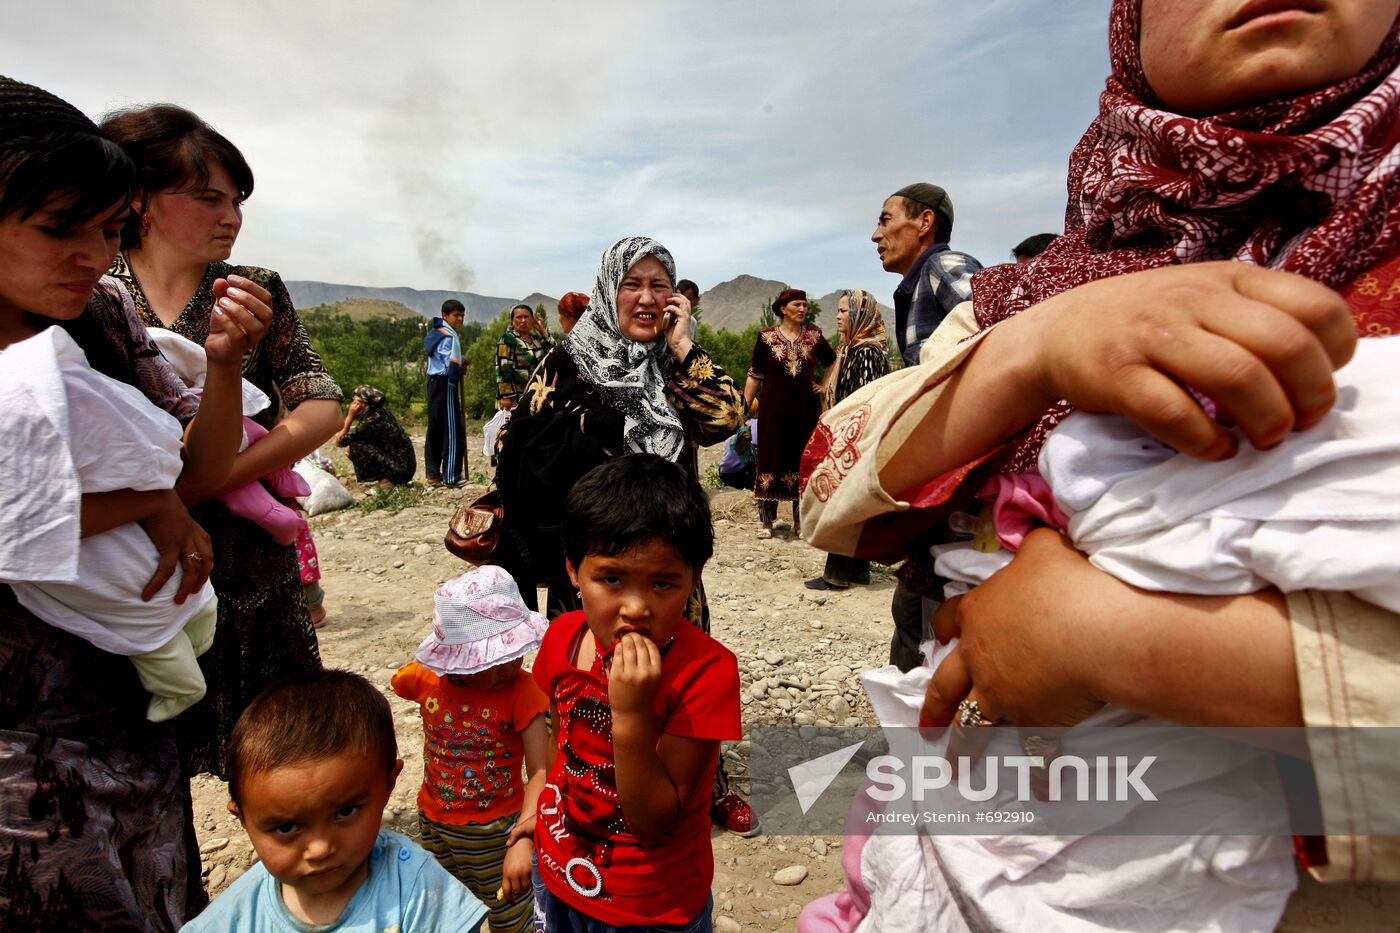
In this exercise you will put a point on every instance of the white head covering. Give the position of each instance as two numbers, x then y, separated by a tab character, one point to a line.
630	375
189	362
479	621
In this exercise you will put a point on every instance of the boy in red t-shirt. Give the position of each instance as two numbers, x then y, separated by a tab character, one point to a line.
640	699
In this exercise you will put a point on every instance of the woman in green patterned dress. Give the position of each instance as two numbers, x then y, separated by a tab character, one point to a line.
194	183
518	352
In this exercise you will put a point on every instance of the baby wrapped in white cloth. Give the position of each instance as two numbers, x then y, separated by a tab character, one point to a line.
69	430
1318	511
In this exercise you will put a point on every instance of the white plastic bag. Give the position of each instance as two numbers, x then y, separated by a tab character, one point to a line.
490	429
327	492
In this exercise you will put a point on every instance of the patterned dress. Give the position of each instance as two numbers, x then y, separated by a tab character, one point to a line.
862	365
379	448
788	406
516	359
264	631
710	407
96	831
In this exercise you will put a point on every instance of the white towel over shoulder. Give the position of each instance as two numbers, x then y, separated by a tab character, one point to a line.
1319	511
66	429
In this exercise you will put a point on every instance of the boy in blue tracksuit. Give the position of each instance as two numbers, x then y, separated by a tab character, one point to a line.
445	449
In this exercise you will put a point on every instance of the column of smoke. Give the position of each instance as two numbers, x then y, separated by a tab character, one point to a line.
416	137
440	257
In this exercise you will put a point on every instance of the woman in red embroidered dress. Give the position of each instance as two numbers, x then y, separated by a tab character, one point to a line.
783	377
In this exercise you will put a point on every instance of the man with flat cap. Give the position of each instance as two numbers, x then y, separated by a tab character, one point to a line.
916	223
912	236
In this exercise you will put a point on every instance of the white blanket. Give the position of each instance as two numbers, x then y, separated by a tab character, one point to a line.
491	429
66	430
931	881
188	360
1319	511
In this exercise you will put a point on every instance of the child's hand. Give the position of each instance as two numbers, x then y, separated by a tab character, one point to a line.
524	828
515	871
634	675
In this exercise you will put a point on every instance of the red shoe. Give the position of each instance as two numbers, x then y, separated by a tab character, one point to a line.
733	813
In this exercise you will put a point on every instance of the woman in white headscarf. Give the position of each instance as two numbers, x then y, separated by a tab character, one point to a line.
627	379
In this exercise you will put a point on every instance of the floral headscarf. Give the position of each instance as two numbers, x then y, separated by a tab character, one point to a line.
631	376
1308	184
369	395
865	326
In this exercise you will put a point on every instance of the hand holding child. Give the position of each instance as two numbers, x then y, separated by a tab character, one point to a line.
515	871
1261	343
634	675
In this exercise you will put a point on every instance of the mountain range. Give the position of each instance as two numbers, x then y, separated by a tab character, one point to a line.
732	305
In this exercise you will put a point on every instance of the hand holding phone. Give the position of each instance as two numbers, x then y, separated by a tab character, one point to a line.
677	337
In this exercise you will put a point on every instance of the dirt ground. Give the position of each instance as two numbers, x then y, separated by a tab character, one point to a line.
379	570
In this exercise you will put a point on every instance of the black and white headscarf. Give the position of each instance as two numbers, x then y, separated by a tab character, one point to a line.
630	375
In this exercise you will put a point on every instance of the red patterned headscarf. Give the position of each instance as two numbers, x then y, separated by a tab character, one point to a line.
1308	184
787	295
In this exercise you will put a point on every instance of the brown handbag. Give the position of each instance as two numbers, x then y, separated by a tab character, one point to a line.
475	530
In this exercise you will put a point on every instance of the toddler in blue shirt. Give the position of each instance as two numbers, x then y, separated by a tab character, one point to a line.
311	764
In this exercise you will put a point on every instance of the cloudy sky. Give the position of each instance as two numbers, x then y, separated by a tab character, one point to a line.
501	147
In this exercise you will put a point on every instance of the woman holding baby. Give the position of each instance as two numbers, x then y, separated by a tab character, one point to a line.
1233	226
97	826
175	248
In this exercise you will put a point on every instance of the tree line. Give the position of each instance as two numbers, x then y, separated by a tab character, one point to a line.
387	353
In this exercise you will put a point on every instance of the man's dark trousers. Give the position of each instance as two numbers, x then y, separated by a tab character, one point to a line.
445	448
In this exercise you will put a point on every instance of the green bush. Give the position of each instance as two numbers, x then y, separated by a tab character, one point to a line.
388	353
384	352
732	351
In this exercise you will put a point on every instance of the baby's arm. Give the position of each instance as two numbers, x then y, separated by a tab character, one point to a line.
655	778
407	681
515	874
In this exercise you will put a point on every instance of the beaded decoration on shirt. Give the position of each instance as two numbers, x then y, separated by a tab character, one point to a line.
791	354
